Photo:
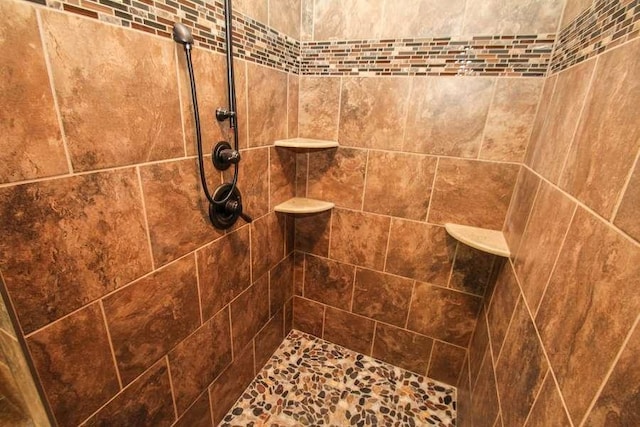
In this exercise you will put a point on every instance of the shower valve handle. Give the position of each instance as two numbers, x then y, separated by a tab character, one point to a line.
223	114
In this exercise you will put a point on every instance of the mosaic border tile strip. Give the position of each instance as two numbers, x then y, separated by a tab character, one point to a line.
253	40
606	24
517	55
309	381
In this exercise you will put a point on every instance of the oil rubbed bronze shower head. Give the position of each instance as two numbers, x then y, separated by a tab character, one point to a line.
182	34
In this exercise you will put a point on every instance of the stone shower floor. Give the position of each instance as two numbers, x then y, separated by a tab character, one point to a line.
311	382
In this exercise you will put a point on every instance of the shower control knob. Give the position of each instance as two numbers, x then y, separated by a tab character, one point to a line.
224	156
223	114
224	214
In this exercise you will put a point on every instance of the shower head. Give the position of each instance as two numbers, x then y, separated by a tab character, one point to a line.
182	34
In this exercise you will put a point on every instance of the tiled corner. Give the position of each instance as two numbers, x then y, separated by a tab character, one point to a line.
485	404
446	362
308	316
267	105
267	243
198	415
249	313
312	233
337	175
627	216
282	175
548	408
334	19
471	270
522	200
280	284
268	339
503	305
349	330
284	16
319	105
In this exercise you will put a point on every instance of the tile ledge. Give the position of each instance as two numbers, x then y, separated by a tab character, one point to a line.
303	205
307	143
483	239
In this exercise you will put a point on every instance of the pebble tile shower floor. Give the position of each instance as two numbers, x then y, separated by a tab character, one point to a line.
311	382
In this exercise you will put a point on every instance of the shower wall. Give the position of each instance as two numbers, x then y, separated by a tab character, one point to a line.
134	309
433	109
559	342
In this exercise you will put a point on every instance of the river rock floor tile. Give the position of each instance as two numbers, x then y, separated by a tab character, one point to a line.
312	382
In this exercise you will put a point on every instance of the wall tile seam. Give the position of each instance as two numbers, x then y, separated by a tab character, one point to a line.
494	363
171	387
635	166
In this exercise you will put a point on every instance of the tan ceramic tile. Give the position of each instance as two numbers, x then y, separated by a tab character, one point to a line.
249	313
293	99
422	18
478	347
319	107
220	284
306	24
420	251
382	296
337	175
255	9
580	308
267	105
463	406
521	368
312	233
510	119
147	401
349	330
298	272
280	285
177	209
356	19
151	316
451	316
608	136
268	339
284	16
472	193
253	181
68	242
485	398
541	116
6	325
402	348
198	415
513	17
619	403
308	316
199	359
328	282
240	70
283	175
471	270
114	113
627	217
399	184
541	242
502	307
447	116
550	143
548	409
573	9
231	383
359	238
446	362
267	243
524	195
73	359
372	110
29	148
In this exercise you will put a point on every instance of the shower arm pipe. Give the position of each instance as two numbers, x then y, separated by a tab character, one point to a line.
231	81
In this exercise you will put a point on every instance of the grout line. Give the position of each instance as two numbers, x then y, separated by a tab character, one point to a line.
199	291
182	117
494	364
353	289
54	95
634	167
529	214
386	251
339	107
453	263
506	332
173	393
433	346
306	183
146	220
406	114
535	399
209	398
113	352
413	293
233	356
330	233
545	82
364	184
433	187
494	91
373	338
324	319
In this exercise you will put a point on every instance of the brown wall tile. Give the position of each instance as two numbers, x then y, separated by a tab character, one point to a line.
256	9
539	123
402	348
280	285
446	362
541	242
478	346
548	409
471	270
176	208
450	316
357	19
75	365
382	296
147	401
513	17
293	99
268	339
573	9
267	243
146	124
198	415
231	383
219	283
253	181
302	167
524	195
312	233
365	105
288	317
463	406
249	313
267	104
308	316
503	304
319	105
337	175
306	25
349	330
422	18
29	148
359	238
149	317
199	359
598	279
440	123
510	119
627	217
485	405
472	193
282	171
608	136
521	368
411	179
68	242
284	16
328	282
420	251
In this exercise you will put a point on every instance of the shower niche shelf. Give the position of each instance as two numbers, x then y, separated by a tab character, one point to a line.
303	205
306	143
483	239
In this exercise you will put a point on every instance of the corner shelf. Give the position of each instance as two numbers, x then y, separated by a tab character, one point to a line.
491	241
302	205
306	143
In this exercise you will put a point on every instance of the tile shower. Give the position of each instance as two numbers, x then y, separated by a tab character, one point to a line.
516	116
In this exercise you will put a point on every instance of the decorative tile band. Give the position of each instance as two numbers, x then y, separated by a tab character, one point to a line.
606	24
518	55
253	40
